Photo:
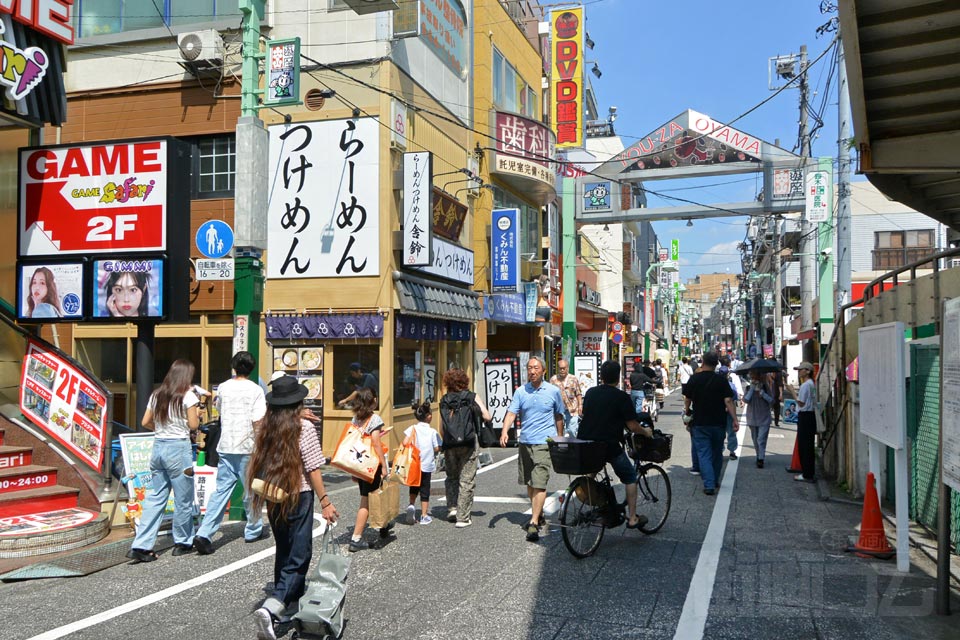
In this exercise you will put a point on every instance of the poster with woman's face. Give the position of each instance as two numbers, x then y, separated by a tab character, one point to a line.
128	289
51	291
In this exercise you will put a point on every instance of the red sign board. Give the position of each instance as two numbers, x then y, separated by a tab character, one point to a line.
93	199
63	401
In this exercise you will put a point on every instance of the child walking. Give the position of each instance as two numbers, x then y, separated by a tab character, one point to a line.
428	442
371	425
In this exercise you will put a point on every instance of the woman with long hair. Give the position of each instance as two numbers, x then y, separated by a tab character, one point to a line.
460	461
370	423
287	455
172	412
43	300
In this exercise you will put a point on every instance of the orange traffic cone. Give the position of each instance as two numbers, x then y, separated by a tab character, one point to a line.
795	466
873	539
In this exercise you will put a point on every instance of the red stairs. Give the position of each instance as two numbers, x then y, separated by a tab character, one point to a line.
27	488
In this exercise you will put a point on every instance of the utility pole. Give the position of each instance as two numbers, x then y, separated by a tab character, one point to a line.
807	241
843	183
777	289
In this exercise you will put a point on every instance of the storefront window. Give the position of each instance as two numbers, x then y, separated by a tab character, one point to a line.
344	383
166	350
458	357
406	372
219	355
430	379
106	358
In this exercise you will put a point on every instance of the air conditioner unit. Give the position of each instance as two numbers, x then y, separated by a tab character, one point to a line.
201	50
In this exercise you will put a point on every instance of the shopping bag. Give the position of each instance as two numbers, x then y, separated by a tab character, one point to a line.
321	606
384	504
406	465
355	455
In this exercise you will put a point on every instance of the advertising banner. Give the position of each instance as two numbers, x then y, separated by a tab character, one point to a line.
91	199
136	449
500	379
417	212
586	368
128	289
451	261
566	101
283	72
592	341
818	202
50	291
505	249
66	404
506	307
323	219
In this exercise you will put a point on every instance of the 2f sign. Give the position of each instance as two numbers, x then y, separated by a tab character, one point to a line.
67	388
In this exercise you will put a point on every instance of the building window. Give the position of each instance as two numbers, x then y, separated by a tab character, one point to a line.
415	375
510	92
100	17
344	355
894	249
214	167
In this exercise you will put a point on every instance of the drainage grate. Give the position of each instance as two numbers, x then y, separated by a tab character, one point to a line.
81	563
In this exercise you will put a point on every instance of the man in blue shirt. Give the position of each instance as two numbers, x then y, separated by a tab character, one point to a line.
541	409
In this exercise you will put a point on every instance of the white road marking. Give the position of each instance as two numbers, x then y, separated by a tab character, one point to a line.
490	467
696	607
495	500
163	594
550	506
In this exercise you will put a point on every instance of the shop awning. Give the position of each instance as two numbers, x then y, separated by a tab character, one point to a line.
434	300
319	326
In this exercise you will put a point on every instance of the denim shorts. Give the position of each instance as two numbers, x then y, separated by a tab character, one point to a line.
624	468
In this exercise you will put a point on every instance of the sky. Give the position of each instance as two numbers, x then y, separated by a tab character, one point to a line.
659	58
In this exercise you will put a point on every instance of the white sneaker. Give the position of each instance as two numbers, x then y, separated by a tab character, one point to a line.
264	622
411	514
461	524
426	520
452	514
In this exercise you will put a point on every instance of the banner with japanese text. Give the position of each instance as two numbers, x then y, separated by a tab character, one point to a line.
417	211
324	208
505	250
566	98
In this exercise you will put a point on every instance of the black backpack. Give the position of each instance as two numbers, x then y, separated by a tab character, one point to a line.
458	414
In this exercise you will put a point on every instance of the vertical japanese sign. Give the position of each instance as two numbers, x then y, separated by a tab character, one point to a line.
818	202
417	210
566	97
283	73
505	250
675	250
500	379
324	211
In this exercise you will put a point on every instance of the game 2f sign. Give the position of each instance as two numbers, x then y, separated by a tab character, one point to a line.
417	210
93	199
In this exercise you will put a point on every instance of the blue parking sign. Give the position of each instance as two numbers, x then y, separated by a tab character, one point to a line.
214	239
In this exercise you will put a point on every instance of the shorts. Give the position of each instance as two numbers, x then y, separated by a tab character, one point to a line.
424	488
534	465
367	487
624	468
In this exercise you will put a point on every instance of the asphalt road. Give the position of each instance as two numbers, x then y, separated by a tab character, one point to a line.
770	569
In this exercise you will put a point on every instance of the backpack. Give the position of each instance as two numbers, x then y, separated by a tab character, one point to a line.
458	416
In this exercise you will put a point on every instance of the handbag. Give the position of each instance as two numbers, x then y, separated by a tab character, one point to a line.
321	606
489	435
267	490
406	465
355	455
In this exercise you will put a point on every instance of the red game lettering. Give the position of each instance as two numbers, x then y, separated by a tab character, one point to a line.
52	17
104	162
42	164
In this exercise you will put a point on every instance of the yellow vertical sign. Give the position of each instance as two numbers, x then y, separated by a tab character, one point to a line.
566	89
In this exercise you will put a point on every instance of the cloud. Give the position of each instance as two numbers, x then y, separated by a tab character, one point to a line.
724	252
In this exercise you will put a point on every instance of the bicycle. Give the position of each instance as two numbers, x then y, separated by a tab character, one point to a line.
589	505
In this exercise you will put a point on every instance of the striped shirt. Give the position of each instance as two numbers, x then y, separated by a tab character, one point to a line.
310	452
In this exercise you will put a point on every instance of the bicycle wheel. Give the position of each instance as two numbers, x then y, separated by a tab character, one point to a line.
581	524
653	496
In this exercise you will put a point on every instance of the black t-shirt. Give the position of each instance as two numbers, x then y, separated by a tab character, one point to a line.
606	410
638	379
707	391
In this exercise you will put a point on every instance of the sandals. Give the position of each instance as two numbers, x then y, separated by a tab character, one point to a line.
641	521
141	555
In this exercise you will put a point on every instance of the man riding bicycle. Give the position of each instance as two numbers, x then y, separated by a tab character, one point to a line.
607	412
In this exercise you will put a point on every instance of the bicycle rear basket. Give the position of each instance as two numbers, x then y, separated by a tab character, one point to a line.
577	457
655	449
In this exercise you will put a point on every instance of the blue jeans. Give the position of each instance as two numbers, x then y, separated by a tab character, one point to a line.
167	462
731	435
294	539
571	424
231	469
708	444
637	397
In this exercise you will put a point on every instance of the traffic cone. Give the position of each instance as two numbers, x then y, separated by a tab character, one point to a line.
873	539
795	466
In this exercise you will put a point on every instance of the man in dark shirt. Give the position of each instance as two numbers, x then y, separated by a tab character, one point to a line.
712	400
607	412
360	380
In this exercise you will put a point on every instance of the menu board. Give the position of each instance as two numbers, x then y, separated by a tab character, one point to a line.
136	450
586	368
306	365
69	406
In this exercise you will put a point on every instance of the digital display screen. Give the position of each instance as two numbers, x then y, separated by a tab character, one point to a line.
128	288
50	291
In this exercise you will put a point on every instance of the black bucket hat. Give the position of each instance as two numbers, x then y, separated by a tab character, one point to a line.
286	391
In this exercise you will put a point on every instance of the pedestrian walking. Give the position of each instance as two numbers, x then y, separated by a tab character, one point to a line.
172	412
708	399
684	371
664	377
806	423
758	398
776	380
371	425
541	413
242	406
460	411
572	399
428	442
286	458
734	381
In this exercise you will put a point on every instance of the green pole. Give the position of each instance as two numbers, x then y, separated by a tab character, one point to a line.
252	12
569	225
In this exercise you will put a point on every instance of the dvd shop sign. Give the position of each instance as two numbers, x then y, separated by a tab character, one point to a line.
93	199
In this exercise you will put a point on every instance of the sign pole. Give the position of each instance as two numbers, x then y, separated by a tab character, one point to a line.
569	227
144	365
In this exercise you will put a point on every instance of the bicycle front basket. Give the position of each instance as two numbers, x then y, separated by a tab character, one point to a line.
577	457
655	449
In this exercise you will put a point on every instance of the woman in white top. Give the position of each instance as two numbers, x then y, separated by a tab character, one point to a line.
173	414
